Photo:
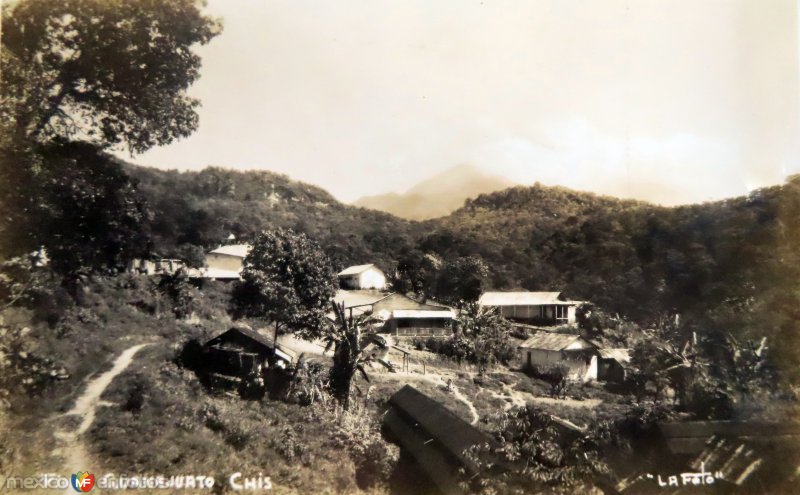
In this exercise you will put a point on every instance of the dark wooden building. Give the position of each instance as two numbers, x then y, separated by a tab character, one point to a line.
433	436
240	353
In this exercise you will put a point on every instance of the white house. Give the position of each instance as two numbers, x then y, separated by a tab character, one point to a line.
546	308
401	315
362	277
544	349
225	262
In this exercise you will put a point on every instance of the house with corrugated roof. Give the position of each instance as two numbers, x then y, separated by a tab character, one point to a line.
543	308
225	262
241	354
358	277
612	364
545	349
434	437
400	314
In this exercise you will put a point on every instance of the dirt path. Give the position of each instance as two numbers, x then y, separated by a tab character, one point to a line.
72	449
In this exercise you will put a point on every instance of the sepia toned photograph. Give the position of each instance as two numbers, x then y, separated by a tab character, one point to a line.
400	247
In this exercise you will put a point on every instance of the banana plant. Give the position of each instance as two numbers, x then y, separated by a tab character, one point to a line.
344	337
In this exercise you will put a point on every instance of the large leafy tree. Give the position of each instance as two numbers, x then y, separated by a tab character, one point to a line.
105	71
288	280
93	217
108	74
462	280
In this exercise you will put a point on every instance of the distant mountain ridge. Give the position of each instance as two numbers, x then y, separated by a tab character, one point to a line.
438	196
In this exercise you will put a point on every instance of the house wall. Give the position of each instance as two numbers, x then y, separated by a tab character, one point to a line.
224	262
546	313
423	327
580	367
610	370
349	282
372	278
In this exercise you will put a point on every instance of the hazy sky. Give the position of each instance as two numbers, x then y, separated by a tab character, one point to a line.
672	101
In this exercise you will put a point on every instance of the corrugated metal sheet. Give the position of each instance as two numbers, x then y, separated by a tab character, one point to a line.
355	269
352	298
238	250
619	355
549	341
449	431
523	298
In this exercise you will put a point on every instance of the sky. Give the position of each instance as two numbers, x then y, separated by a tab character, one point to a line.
674	101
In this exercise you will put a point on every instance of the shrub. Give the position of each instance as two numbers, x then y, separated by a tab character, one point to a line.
179	292
136	394
556	375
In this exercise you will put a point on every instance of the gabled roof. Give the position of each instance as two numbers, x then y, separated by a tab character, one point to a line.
438	423
356	269
521	299
621	356
257	337
352	298
549	341
238	250
243	330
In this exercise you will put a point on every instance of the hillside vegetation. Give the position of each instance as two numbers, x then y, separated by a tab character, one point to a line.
727	266
194	211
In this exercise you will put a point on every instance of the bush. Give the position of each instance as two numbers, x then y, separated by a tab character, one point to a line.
136	394
556	375
179	292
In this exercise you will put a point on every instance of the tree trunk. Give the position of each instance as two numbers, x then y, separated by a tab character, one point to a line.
344	367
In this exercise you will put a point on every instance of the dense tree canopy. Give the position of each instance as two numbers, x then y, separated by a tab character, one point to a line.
288	280
94	220
81	77
103	71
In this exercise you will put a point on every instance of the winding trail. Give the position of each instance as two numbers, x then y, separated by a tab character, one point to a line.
72	449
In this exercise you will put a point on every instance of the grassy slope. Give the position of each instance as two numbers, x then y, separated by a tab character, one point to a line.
179	429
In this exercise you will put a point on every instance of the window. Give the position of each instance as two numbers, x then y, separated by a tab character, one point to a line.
562	312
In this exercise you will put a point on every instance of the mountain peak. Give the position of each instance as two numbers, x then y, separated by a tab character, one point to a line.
438	195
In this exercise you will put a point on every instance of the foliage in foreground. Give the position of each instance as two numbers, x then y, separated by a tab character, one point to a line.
531	453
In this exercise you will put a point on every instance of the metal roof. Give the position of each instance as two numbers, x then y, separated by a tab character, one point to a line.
549	341
619	355
352	298
438	423
255	336
356	269
237	250
521	299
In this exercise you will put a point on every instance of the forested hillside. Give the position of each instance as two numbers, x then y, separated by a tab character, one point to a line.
729	265
195	211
